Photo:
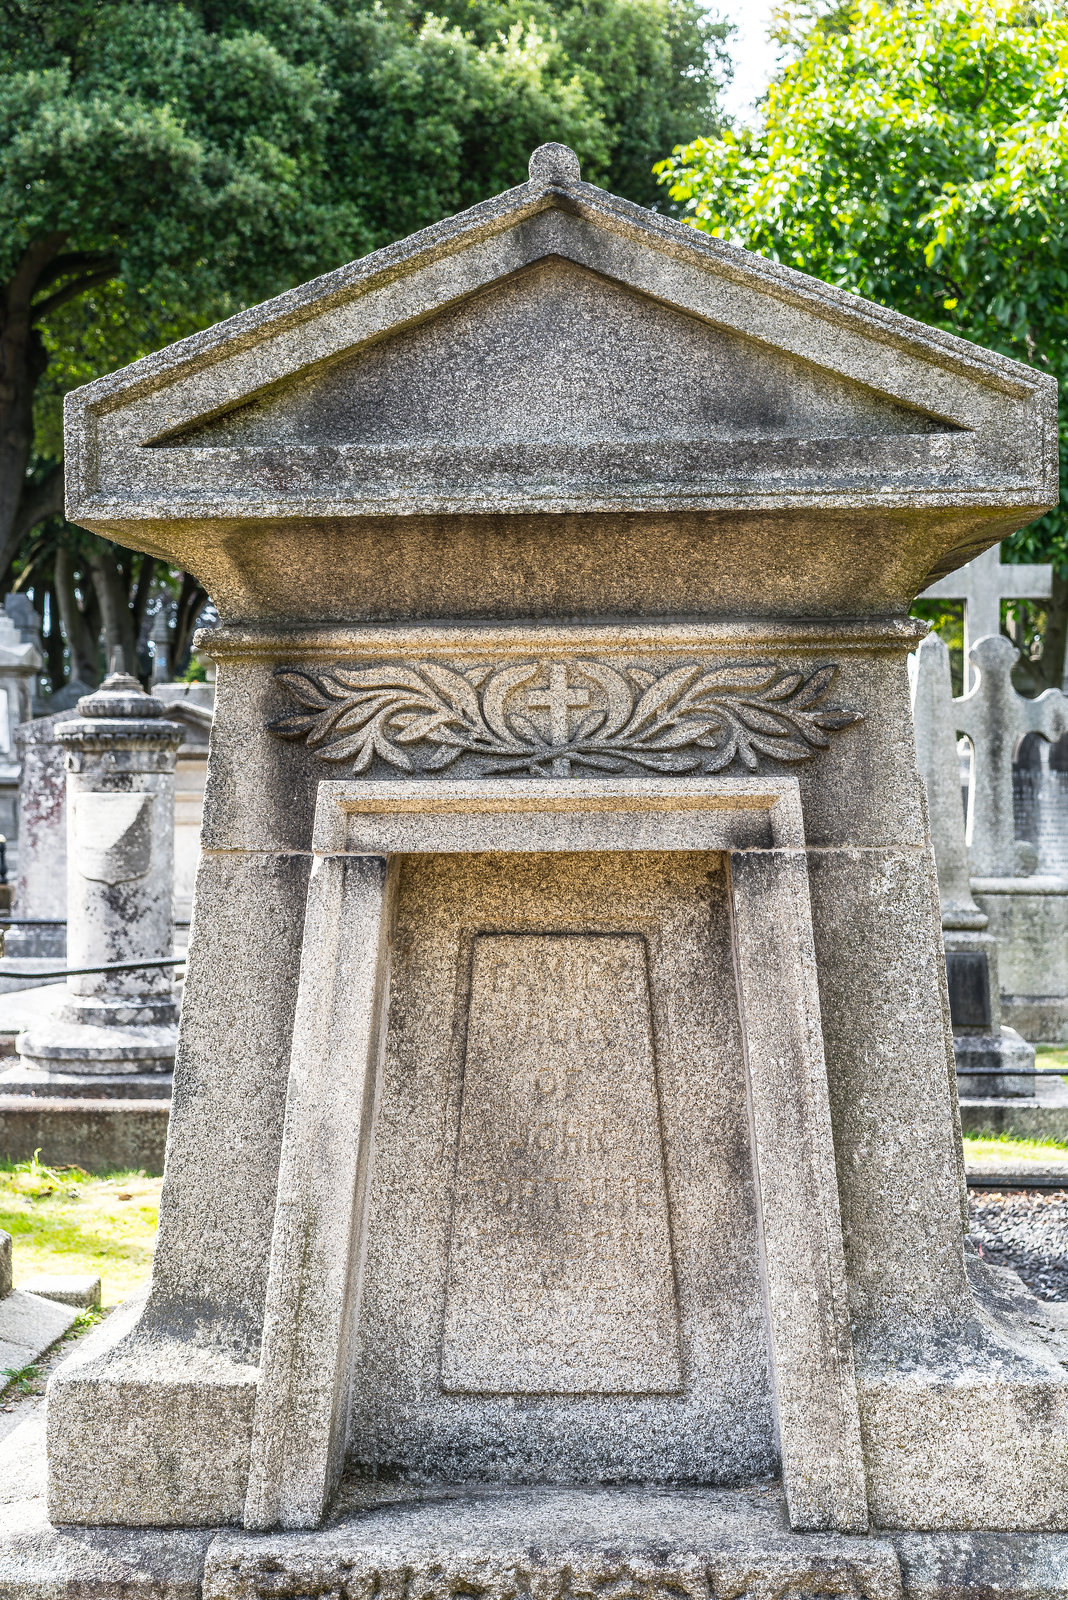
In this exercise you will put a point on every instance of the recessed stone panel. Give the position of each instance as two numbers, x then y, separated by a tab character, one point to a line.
585	1002
560	1273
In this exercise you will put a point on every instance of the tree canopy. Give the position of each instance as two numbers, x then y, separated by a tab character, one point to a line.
165	163
917	153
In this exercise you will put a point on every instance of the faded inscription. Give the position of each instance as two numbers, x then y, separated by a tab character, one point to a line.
560	1276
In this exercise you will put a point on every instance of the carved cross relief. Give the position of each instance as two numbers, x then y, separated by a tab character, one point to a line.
558	700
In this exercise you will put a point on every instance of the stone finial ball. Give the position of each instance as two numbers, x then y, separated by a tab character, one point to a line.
554	163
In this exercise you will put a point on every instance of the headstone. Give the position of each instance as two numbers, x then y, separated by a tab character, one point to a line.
1040	800
21	610
66	698
39	937
565	1089
160	637
982	585
109	1027
19	664
992	1059
996	719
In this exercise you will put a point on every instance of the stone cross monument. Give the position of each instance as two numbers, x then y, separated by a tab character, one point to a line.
989	1055
566	982
983	584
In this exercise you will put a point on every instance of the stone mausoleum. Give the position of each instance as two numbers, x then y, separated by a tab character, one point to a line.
564	1192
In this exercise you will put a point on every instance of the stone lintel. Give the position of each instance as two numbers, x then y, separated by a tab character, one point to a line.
535	814
249	642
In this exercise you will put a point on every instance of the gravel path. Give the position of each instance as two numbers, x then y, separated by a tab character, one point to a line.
1028	1231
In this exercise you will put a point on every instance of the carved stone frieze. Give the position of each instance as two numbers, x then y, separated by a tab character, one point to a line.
550	718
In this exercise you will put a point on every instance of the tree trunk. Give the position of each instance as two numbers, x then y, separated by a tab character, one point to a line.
191	602
81	637
23	359
143	589
53	639
1051	662
114	598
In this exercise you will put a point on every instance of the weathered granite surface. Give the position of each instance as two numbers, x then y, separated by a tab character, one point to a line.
467	527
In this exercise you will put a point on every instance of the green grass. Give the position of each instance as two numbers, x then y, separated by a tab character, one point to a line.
1000	1147
1052	1058
62	1219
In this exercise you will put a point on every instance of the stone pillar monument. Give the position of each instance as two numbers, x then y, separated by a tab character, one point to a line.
566	982
986	1051
110	1030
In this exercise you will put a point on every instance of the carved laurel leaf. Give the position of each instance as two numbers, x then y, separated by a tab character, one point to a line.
306	688
380	678
762	721
660	696
739	676
455	689
813	687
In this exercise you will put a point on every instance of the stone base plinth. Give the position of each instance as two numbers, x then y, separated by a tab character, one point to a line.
97	1134
553	1542
1044	1115
87	1047
27	1080
995	1065
631	1543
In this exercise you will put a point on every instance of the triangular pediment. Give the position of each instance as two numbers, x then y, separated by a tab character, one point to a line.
557	355
557	349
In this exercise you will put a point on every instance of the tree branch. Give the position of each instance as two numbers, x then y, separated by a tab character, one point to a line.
72	261
36	504
37	256
71	291
80	635
142	591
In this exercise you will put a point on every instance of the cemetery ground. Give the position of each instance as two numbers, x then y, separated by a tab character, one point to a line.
64	1220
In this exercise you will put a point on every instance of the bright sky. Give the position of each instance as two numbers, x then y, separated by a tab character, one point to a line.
755	59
